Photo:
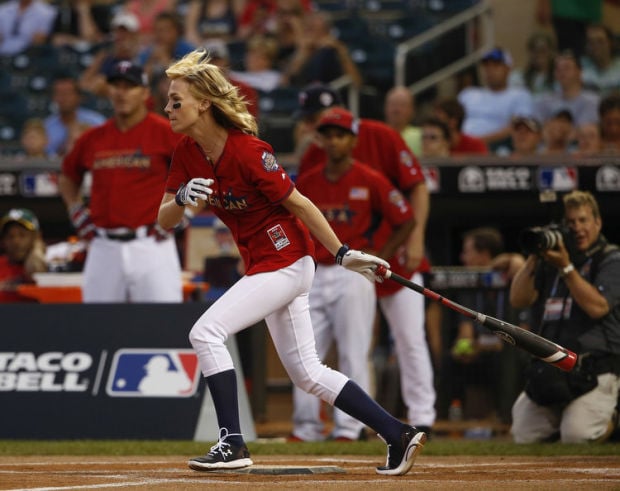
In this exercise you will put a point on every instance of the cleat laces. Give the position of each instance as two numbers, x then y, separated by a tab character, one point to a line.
221	446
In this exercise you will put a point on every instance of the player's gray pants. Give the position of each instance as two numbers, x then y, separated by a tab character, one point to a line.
342	308
404	313
585	419
281	298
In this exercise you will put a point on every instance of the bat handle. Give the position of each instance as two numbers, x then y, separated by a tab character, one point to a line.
382	271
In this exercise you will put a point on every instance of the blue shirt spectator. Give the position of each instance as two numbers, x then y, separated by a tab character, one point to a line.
489	110
23	24
601	69
66	98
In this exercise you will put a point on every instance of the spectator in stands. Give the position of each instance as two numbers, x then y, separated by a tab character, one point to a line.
81	22
208	19
525	138
146	11
489	109
24	253
451	112
601	68
289	17
261	16
399	111
568	20
319	57
24	23
589	140
260	57
125	47
537	75
33	139
168	44
609	112
435	138
479	376
558	134
581	103
67	113
220	57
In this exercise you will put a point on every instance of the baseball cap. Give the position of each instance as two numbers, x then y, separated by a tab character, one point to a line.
531	123
340	118
126	20
127	70
315	98
499	55
23	216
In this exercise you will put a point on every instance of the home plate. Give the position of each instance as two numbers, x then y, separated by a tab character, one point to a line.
288	470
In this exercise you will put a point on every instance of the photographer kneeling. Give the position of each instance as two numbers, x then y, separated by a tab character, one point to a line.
576	296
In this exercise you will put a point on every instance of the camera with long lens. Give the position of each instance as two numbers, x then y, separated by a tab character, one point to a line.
538	239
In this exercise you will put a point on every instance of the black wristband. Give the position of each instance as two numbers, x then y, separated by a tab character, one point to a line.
341	252
177	199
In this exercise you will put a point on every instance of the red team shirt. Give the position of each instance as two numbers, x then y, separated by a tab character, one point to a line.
11	275
247	194
354	205
129	170
381	147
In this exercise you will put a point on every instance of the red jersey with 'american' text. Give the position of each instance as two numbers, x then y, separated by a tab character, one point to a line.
354	205
248	192
129	170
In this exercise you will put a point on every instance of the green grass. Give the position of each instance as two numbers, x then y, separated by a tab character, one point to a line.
437	447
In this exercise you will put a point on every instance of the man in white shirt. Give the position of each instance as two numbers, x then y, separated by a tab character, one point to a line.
490	109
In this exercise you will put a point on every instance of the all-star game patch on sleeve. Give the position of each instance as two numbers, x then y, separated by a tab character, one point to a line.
268	175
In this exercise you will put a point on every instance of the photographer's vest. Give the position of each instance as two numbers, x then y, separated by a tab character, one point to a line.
562	319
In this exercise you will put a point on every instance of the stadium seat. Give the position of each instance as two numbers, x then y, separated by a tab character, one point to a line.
282	101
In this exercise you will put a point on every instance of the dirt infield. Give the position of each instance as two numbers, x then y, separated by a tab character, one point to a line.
446	473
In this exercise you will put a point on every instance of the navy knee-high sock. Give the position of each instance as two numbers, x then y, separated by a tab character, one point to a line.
355	402
223	387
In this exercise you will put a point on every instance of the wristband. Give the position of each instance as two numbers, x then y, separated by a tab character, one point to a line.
177	198
341	252
567	269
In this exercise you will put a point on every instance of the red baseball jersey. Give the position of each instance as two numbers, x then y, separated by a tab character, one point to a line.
354	205
380	147
11	275
129	170
248	192
470	144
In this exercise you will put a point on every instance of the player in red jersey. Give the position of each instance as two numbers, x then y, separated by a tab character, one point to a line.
130	258
383	148
221	163
353	198
20	239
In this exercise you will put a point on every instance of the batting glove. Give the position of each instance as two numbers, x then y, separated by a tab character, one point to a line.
83	224
197	188
360	262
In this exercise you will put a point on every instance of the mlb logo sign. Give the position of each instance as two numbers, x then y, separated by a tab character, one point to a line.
153	373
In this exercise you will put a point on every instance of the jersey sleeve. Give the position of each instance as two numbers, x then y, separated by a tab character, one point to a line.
178	174
266	174
394	207
409	173
74	165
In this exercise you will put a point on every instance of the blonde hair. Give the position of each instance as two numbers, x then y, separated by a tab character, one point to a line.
576	199
207	81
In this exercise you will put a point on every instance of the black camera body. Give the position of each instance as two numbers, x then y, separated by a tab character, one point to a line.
538	239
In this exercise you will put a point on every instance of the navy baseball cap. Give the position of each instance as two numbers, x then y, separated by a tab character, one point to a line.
129	71
499	55
315	98
23	216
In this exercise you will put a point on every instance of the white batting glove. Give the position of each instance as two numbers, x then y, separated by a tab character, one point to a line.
360	262
197	188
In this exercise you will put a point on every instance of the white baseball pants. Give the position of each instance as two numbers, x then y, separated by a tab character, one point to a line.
281	298
139	270
404	312
342	309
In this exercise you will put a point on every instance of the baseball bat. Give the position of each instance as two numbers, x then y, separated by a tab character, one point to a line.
534	344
